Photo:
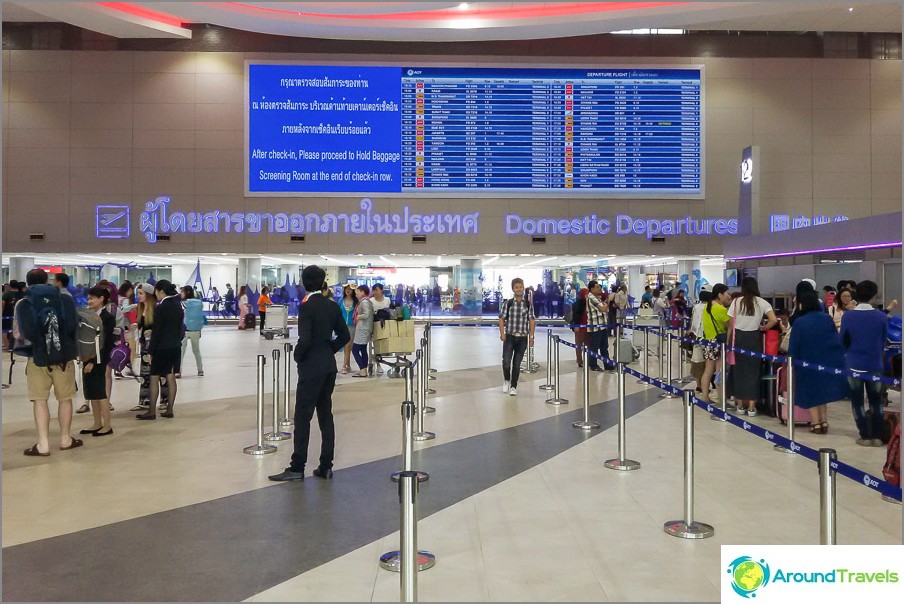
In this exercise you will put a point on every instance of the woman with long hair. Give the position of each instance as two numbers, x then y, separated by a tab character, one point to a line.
844	301
579	316
745	331
128	307
347	306
146	304
243	305
165	346
715	316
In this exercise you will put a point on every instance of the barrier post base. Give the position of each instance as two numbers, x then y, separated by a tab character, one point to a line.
781	449
625	465
717	418
262	450
421	476
277	436
694	530
392	561
424	436
547	386
668	395
586	425
430	391
431	377
285	424
557	401
429	409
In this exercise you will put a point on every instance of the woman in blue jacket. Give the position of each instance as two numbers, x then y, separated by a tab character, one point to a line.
814	340
195	320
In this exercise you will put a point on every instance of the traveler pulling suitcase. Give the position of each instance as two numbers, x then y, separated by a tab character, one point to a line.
801	416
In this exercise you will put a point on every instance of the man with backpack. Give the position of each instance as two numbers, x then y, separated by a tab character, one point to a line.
517	323
45	329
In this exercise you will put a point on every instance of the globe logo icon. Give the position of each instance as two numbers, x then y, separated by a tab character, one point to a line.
748	575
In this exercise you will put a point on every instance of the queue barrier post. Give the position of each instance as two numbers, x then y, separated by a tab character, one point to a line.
408	413
688	528
276	434
789	409
586	424
549	383
668	378
423	371
723	390
827	503
260	448
622	462
429	335
646	352
556	398
408	559
286	422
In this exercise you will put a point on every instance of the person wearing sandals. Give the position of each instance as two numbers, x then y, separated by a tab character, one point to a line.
814	340
94	380
195	320
165	346
42	375
745	331
364	327
714	319
347	306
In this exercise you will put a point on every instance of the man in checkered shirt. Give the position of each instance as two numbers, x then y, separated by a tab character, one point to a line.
516	327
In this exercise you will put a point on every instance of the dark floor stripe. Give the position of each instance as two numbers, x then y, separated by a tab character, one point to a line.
232	548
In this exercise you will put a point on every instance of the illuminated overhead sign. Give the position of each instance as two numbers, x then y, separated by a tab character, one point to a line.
785	222
747	170
622	225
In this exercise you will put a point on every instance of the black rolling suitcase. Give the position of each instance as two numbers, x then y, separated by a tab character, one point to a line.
250	321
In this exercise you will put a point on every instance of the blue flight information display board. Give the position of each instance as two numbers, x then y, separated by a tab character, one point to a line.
621	132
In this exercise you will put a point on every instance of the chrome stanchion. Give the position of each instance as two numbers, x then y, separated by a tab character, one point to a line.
661	374
549	384
275	434
684	359
286	422
621	462
617	354
586	424
789	409
422	372
424	375
408	411
556	399
668	378
723	392
827	509
688	528
408	558
429	334
260	448
646	352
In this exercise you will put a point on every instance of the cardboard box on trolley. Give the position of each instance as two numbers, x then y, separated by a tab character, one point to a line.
394	337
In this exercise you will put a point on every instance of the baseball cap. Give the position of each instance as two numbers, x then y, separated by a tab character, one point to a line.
706	288
147	288
810	281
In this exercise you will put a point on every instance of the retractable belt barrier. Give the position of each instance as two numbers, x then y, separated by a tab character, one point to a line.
848	471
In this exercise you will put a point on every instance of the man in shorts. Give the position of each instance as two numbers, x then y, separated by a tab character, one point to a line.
40	375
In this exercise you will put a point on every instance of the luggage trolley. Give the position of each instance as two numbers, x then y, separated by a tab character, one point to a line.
277	321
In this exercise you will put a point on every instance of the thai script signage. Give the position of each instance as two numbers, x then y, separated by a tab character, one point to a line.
785	222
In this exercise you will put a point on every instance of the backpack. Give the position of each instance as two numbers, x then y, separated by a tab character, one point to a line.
120	356
48	326
90	334
508	304
891	471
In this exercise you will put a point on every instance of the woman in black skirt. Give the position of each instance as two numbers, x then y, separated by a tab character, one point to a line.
745	331
94	381
146	304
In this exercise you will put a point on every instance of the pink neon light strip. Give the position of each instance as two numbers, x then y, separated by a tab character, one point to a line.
533	12
144	13
869	246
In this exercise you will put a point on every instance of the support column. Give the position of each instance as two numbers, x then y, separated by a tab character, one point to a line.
249	273
469	283
636	282
19	266
688	275
110	272
82	276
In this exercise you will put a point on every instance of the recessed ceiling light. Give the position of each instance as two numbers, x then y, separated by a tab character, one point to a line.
463	6
850	9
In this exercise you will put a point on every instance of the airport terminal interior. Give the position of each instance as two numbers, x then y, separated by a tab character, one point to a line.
427	156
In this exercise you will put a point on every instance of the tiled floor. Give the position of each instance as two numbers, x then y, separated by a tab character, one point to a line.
563	529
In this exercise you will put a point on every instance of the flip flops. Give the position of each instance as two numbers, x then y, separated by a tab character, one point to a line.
76	443
33	452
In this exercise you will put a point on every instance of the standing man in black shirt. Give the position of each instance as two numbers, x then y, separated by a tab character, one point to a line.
318	319
166	346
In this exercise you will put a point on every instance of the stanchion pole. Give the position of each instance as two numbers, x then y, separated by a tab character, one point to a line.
408	557
646	352
617	342
688	528
260	448
661	374
549	383
556	399
668	377
622	462
723	392
423	374
286	421
408	412
429	329
684	358
790	407
276	434
586	424
427	345
827	508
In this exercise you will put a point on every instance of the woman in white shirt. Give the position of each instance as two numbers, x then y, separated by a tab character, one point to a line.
843	302
745	331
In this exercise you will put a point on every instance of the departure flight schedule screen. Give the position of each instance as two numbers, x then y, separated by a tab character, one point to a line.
621	132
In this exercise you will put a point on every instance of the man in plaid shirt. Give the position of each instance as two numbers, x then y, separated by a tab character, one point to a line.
516	326
596	315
